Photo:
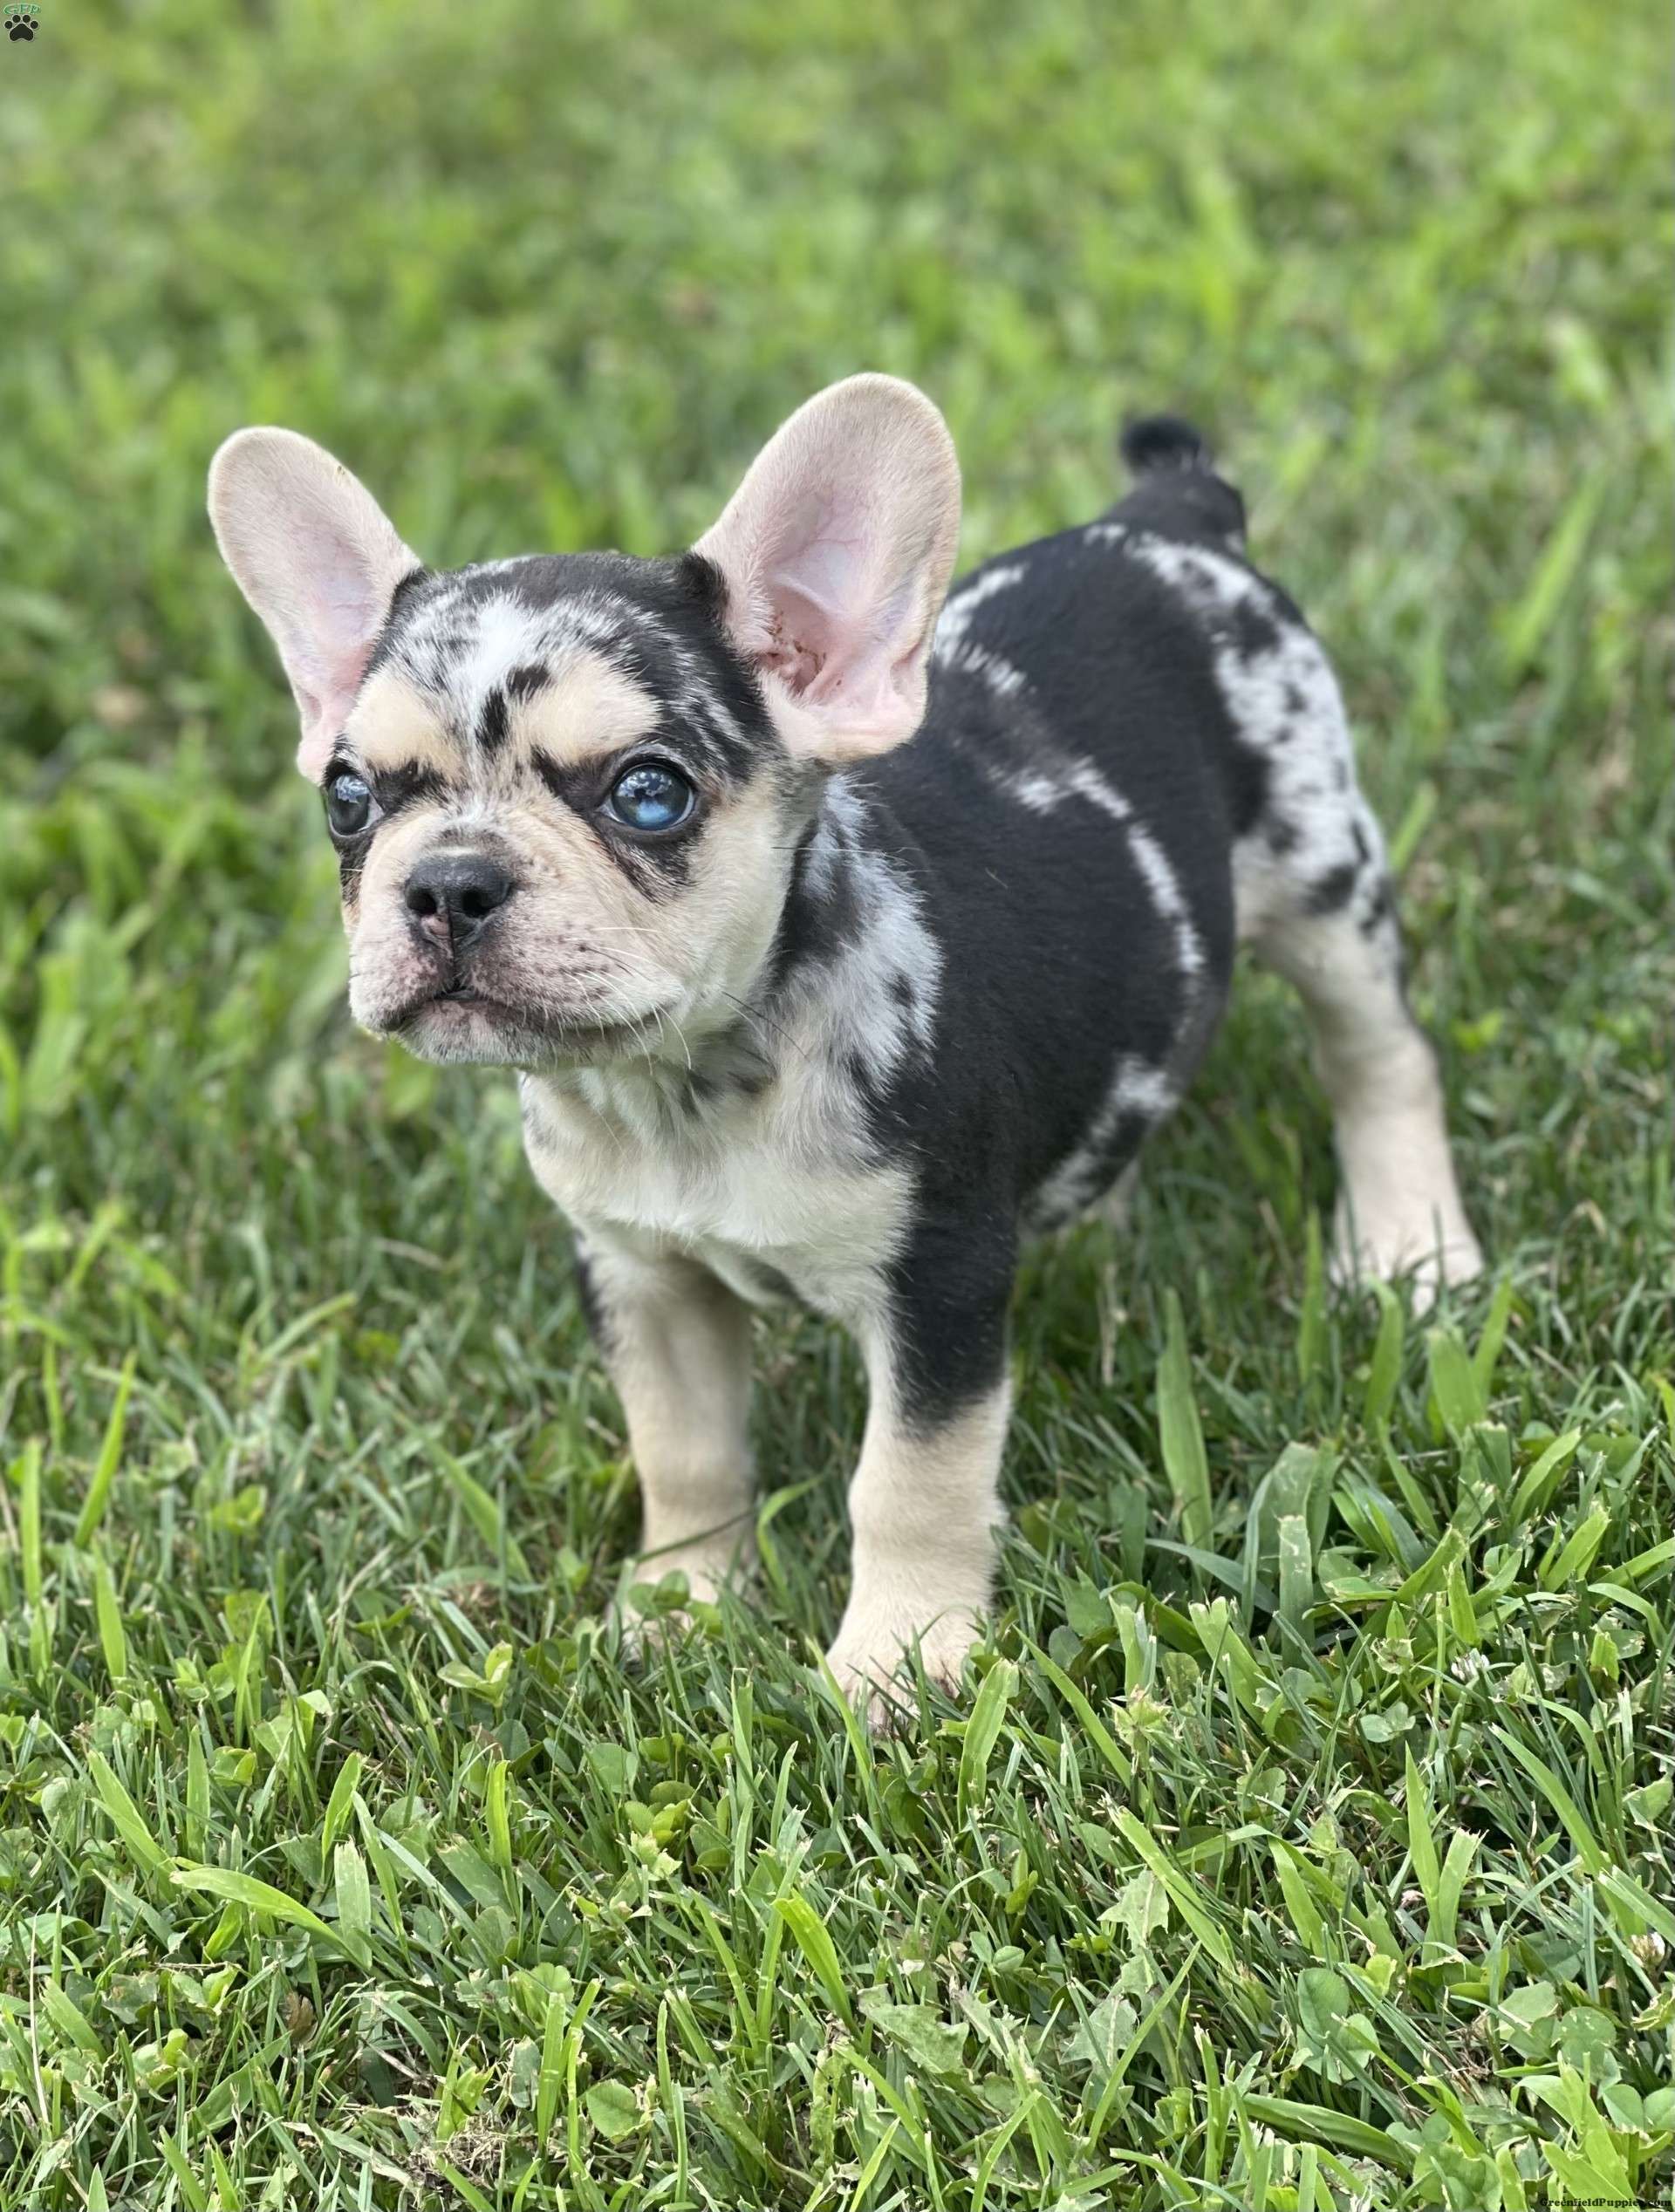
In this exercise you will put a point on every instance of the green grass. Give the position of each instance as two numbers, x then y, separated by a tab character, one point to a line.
1323	1860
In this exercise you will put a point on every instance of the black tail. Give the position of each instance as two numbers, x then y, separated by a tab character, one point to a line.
1176	488
1163	441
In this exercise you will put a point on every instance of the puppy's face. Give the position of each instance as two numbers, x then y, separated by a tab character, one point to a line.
565	790
563	818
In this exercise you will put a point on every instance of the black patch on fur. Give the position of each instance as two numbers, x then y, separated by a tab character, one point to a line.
704	584
1254	631
814	925
1247	780
405	591
493	721
587	1290
409	591
657	865
577	787
352	864
1281	837
399	788
1380	907
861	1076
950	1290
1334	888
1099	1165
523	683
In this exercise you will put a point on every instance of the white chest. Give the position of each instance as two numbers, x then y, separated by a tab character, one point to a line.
762	1195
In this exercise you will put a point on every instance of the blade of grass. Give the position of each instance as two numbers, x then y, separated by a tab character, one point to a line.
983	1732
110	1455
1181	1434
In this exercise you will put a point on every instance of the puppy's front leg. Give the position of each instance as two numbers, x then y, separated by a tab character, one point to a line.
924	1504
676	1343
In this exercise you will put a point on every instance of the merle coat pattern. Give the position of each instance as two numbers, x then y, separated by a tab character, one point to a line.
868	1011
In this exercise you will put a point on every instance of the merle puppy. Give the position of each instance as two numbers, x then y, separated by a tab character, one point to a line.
839	947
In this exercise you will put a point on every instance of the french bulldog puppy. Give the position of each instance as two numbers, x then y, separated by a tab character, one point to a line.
844	935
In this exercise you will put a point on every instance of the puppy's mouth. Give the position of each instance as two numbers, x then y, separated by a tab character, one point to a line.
464	1013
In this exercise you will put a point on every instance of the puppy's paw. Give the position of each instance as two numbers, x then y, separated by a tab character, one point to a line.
650	1610
1429	1256
1459	1261
872	1658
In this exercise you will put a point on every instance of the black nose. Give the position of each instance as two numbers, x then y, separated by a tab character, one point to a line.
453	893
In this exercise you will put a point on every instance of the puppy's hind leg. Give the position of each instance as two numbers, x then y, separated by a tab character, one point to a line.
1314	899
1332	931
1313	896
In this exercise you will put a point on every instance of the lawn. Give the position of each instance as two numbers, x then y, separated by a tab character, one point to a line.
1316	1856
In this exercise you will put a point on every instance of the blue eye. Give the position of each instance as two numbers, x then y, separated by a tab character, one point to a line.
650	796
348	804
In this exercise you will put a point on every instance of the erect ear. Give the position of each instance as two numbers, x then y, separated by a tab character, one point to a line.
317	558
836	551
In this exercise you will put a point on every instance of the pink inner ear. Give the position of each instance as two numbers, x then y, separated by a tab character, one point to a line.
322	718
793	652
835	630
837	549
329	659
808	588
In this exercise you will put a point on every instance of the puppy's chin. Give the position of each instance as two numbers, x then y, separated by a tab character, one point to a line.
486	1032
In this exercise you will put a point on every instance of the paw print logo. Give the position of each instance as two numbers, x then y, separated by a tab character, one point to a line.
22	21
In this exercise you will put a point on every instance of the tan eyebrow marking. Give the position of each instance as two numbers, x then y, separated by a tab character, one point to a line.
586	710
392	725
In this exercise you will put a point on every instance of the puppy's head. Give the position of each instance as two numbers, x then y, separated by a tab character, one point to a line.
564	790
